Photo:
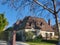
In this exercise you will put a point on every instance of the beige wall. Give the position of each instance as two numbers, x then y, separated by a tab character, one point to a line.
43	33
26	30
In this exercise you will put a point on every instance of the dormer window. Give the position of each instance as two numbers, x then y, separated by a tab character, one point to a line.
38	23
41	24
33	25
27	24
30	24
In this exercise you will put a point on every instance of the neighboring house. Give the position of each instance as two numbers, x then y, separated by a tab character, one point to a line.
35	24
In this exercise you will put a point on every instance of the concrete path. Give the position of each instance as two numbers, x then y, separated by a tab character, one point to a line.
17	43
21	43
3	42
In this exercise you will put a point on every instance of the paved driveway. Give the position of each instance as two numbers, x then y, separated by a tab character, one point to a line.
3	42
17	43
21	43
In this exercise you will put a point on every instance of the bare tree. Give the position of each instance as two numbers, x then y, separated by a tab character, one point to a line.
54	12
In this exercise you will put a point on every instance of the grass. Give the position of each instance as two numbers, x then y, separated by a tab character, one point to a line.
42	42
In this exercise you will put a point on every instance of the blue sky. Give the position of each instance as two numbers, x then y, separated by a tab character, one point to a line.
12	15
9	14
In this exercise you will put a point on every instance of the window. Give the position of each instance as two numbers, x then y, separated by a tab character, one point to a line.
50	35
41	24
27	24
38	23
46	35
30	24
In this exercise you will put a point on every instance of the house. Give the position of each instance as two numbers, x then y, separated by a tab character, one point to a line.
35	24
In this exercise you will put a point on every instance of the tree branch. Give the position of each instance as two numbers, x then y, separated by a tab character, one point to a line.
20	7
12	4
58	10
50	10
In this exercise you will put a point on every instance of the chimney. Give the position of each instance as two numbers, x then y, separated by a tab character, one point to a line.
49	22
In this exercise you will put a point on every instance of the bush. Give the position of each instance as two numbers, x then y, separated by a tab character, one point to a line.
19	36
4	35
37	39
28	35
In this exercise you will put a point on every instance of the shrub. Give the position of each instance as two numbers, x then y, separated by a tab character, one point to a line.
4	35
37	39
28	35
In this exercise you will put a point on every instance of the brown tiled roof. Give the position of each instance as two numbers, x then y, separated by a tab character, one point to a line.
36	23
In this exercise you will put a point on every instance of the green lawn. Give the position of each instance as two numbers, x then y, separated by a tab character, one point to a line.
41	43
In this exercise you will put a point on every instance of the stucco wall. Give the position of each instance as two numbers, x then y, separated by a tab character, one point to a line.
43	33
26	30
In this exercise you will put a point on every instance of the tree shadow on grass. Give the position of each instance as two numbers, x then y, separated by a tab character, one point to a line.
50	41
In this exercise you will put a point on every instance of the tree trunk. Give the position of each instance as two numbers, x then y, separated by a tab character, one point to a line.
56	20
14	38
57	28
